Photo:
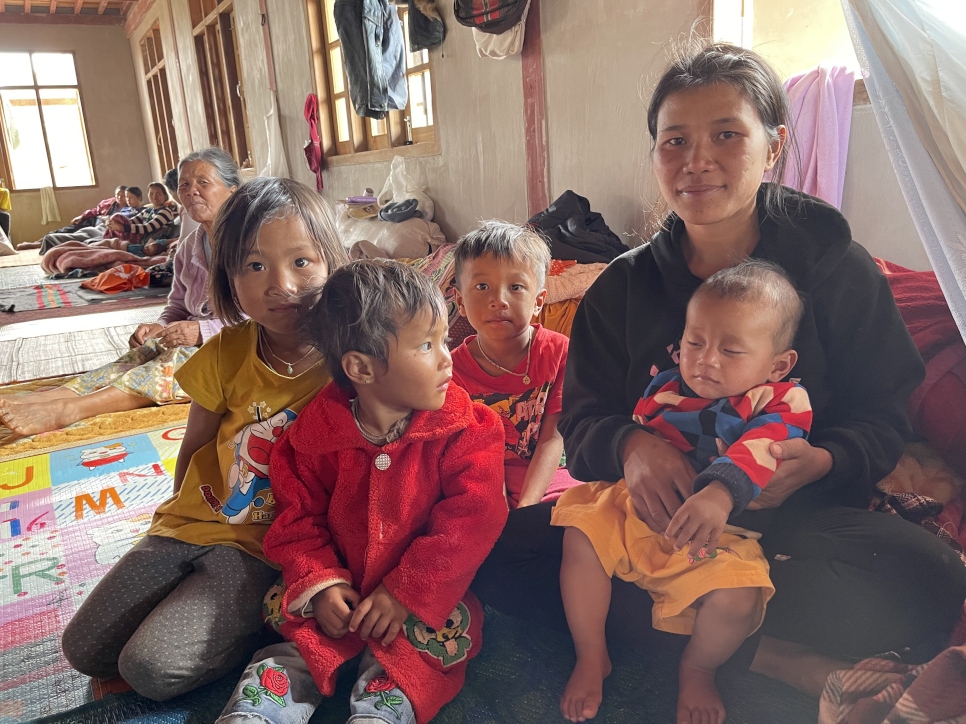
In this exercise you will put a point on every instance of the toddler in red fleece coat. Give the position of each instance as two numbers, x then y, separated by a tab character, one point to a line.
389	494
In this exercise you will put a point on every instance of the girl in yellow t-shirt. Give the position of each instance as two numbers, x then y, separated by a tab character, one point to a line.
183	607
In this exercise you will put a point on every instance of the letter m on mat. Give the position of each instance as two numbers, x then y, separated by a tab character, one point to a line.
100	506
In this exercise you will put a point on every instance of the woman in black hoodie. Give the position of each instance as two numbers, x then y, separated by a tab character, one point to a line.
849	583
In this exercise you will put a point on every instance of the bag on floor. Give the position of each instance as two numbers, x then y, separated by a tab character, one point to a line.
121	278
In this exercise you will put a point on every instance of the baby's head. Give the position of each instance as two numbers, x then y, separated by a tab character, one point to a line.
501	269
741	324
274	242
381	327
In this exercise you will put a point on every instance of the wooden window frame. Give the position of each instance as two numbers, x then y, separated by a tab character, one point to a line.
363	146
219	65
6	168
155	79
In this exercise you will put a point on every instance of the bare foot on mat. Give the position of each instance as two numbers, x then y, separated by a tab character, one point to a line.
698	698
585	689
30	418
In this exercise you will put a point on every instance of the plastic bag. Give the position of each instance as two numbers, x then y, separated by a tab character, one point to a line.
409	239
401	186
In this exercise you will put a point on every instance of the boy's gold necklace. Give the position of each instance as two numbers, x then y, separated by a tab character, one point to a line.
289	366
525	375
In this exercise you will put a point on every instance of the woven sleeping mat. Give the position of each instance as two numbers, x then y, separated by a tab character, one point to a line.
516	678
67	346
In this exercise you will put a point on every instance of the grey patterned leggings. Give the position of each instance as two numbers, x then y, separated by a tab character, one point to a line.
170	617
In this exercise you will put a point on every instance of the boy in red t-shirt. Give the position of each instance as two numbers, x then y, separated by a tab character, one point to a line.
514	367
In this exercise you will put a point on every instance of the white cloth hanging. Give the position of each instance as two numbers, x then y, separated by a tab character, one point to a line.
502	45
49	212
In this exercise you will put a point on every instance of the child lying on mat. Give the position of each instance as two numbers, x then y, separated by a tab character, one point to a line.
514	367
722	407
389	491
183	606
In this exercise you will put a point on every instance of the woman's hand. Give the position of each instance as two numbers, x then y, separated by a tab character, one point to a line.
802	464
143	333
659	478
180	334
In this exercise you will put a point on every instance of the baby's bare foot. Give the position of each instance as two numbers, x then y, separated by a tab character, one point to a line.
581	699
698	698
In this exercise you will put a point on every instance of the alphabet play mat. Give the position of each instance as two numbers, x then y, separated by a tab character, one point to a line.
65	517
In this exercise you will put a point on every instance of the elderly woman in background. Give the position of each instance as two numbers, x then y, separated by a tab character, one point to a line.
145	375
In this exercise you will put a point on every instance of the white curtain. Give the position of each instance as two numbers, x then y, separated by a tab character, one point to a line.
913	57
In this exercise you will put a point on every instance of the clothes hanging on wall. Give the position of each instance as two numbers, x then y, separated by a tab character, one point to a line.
426	27
820	101
313	147
49	212
505	44
374	55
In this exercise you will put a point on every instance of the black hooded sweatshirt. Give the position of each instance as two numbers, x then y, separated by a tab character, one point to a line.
856	359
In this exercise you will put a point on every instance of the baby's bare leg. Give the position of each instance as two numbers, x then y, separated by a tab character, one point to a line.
585	588
725	618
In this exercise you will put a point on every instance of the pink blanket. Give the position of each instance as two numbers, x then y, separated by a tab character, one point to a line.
62	259
821	115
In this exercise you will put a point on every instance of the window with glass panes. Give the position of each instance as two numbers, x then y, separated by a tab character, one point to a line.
348	133
42	122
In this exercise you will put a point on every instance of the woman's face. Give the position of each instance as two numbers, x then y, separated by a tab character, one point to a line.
157	196
120	196
133	200
202	192
710	154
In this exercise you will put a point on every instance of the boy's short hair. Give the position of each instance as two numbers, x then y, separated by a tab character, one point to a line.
239	221
504	240
363	305
756	281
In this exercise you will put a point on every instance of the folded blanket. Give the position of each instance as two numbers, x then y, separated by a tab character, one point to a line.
60	260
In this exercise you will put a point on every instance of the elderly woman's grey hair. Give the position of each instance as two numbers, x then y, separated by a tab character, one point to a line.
223	164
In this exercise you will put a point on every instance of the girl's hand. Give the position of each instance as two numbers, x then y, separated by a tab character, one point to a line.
143	333
332	608
802	464
380	615
701	519
658	478
180	334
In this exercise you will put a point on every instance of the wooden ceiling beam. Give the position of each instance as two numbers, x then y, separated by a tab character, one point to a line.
26	7
53	6
78	6
59	19
102	7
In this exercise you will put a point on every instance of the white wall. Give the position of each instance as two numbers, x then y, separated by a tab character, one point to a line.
872	200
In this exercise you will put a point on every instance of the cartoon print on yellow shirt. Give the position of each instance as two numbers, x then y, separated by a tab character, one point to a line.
521	415
248	476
